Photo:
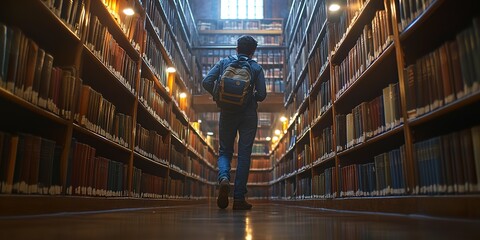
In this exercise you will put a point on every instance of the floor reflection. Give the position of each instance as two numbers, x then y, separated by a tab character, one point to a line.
266	222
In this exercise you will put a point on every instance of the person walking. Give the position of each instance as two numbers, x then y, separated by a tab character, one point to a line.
242	120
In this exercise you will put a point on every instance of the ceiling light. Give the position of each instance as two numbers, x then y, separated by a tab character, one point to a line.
171	70
210	133
183	95
268	138
128	11
283	119
334	7
277	132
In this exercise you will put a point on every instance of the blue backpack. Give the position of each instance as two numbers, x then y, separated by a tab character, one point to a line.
233	90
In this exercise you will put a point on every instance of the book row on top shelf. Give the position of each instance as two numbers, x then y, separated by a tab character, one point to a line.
389	105
107	115
240	24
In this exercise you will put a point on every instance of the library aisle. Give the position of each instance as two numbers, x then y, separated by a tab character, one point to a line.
206	221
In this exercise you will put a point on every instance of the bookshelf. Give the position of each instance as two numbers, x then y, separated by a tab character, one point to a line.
380	99
96	104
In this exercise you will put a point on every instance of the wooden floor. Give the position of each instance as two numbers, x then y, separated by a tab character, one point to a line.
206	221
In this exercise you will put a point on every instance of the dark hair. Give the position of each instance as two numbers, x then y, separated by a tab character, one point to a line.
246	45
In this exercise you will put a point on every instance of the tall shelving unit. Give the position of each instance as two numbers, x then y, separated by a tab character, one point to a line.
107	107
371	116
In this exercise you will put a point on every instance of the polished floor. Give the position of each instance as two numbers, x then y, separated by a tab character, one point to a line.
264	221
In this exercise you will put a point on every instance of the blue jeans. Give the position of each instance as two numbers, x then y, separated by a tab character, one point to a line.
246	126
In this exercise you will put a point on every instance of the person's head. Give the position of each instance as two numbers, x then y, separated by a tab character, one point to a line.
246	45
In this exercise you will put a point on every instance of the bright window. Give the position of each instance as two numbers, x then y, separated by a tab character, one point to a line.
241	9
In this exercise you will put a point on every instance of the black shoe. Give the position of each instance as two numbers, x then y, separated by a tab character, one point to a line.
223	191
241	205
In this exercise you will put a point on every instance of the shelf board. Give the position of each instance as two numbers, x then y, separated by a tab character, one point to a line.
464	207
241	31
445	110
99	138
30	107
148	160
379	138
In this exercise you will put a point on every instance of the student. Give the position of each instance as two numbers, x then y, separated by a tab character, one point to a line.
243	121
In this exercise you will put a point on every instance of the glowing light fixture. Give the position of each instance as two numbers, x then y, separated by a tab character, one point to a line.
334	7
268	138
277	132
199	121
128	11
183	95
283	119
171	70
210	133
275	138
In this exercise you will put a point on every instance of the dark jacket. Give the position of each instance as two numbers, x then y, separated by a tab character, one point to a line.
259	88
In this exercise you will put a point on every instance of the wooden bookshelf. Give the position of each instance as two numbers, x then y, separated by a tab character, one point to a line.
358	75
133	97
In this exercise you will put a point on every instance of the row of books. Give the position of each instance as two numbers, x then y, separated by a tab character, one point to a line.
102	117
147	185
240	24
153	101
132	26
285	167
255	163
195	189
302	123
303	90
304	188
448	73
178	127
409	10
260	148
262	56
176	188
178	159
275	85
199	170
319	18
27	71
231	39
449	163
323	184
273	72
298	62
295	41
346	19
304	157
151	144
322	145
321	103
92	175
29	164
178	53
104	46
197	144
72	13
258	177
154	59
293	17
369	119
319	59
384	176
371	43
